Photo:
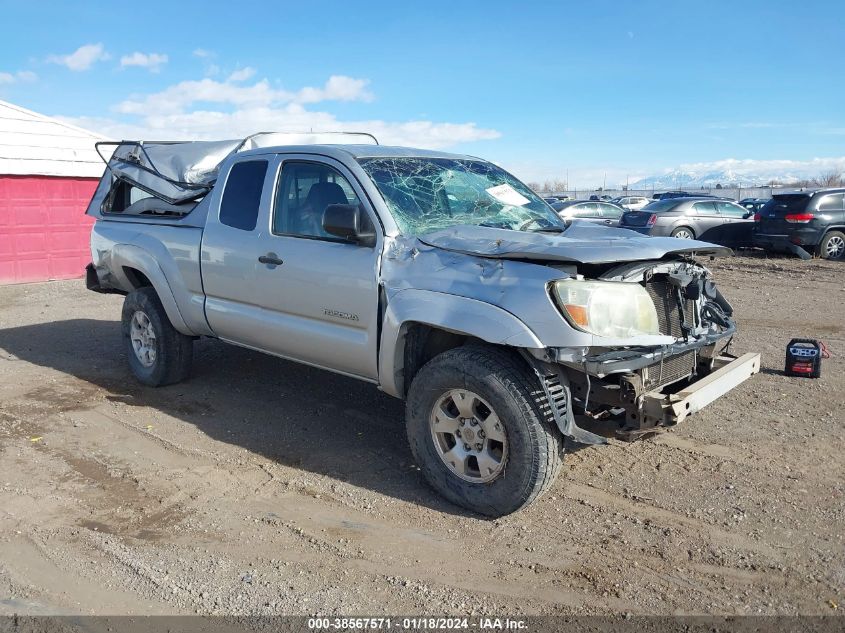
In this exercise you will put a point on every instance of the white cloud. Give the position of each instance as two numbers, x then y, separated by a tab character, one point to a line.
152	61
202	53
82	58
337	88
177	98
242	74
215	124
22	75
232	109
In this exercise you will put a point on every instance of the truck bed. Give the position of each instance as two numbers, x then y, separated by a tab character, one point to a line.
171	247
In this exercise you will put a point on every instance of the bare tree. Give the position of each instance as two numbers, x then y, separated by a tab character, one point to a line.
832	178
536	187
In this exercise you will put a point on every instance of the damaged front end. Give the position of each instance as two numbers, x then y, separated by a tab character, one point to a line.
643	387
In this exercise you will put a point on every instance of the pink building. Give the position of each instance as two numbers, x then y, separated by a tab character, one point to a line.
48	173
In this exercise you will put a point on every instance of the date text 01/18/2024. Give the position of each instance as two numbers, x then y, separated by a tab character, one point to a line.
416	623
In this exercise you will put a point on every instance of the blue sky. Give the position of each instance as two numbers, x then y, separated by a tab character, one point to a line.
626	89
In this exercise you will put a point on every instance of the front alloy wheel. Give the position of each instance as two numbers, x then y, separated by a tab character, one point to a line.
469	436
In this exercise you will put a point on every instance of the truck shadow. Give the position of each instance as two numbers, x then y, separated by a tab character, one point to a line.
298	416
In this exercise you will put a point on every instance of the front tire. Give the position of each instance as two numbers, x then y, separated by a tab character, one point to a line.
158	354
832	246
478	432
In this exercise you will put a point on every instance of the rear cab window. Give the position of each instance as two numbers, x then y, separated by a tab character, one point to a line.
125	198
242	194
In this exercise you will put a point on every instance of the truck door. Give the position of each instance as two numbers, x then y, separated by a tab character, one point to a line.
303	294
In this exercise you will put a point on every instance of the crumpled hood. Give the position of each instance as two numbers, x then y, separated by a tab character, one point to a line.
582	242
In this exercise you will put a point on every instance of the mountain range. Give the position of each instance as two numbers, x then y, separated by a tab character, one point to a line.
680	178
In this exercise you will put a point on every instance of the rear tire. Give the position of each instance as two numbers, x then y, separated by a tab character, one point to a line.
832	246
158	354
504	469
683	233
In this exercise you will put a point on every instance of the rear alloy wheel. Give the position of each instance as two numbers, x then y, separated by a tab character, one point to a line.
683	233
158	354
142	337
833	245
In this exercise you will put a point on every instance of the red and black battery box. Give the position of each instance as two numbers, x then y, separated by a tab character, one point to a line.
804	357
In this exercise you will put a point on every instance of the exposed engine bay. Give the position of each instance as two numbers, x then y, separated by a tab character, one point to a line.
608	385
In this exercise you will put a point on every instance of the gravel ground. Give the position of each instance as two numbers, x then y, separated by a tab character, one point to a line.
264	487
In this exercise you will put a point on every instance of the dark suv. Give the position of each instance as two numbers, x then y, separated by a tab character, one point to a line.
804	223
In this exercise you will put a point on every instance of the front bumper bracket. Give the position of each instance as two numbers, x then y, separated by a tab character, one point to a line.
659	409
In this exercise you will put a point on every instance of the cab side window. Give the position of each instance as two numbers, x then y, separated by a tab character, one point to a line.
302	195
242	195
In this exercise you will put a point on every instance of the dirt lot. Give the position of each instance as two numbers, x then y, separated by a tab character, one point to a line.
261	486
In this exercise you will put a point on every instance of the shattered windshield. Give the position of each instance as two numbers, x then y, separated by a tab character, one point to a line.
427	194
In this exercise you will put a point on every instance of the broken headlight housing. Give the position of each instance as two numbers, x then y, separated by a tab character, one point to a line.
613	309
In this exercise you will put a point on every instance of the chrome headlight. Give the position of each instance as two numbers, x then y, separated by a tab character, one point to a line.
614	309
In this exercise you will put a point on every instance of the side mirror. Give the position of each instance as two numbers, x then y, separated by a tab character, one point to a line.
347	221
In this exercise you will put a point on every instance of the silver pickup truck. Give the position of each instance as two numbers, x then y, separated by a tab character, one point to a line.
440	278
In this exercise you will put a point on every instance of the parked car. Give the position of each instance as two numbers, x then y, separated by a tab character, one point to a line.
804	223
551	200
671	194
631	203
708	219
603	213
753	204
440	278
600	198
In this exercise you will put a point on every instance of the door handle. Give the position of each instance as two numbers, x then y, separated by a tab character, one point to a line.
271	259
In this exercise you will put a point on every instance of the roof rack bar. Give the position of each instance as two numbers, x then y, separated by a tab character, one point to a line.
252	136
